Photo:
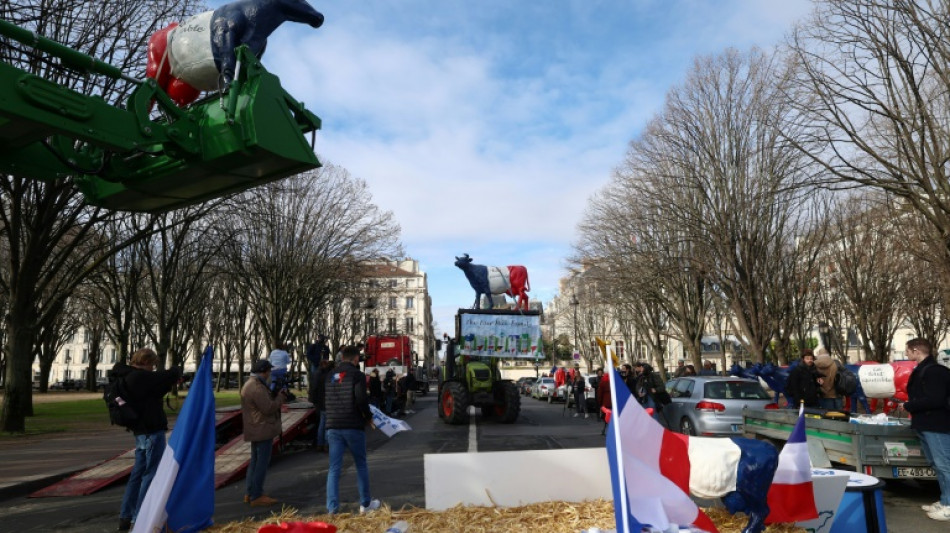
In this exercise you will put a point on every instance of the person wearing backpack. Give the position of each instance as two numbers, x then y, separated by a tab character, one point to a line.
145	387
828	397
928	390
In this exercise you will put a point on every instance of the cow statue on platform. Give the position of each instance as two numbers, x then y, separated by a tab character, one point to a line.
511	280
198	55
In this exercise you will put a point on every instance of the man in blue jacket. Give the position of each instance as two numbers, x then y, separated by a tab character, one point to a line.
928	390
347	406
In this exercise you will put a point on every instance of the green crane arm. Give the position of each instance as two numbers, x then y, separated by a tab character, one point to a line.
125	160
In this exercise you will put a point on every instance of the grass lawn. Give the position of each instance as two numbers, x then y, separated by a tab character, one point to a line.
90	414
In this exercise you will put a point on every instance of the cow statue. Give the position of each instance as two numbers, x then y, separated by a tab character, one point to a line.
198	55
511	280
737	470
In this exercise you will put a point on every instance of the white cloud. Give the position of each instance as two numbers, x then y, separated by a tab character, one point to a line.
485	127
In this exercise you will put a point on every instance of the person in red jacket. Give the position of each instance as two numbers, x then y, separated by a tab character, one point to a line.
603	398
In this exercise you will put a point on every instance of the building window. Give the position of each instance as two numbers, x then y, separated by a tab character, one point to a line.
393	302
85	355
393	283
373	324
410	282
410	302
85	336
112	358
66	357
392	325
409	328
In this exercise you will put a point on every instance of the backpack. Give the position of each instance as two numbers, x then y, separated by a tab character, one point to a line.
846	382
120	412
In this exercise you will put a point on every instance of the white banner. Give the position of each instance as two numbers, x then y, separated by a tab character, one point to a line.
389	426
510	336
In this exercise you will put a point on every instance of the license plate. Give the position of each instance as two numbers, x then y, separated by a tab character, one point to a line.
908	471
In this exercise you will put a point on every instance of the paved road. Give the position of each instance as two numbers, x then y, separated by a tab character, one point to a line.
397	477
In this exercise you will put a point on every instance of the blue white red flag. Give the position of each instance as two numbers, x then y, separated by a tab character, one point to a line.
181	496
649	469
791	497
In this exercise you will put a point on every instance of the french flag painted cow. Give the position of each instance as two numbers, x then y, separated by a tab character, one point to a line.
876	381
198	55
510	280
737	470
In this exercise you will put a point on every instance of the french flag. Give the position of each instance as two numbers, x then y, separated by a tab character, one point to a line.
181	496
649	469
791	497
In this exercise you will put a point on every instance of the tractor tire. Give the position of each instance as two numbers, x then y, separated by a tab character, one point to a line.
454	403
509	408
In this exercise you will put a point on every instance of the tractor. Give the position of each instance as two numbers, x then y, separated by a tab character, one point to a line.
471	375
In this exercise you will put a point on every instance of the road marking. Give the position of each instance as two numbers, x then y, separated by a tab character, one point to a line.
472	434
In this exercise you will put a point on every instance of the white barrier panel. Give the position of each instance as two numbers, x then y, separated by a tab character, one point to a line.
510	479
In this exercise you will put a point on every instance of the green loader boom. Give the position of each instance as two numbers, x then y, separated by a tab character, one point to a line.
252	133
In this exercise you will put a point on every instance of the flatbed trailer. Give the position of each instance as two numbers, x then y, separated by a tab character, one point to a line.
883	451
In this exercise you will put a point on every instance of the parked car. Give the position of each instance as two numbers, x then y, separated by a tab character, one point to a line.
712	405
542	388
524	385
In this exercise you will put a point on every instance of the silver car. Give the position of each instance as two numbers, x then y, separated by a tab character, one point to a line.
542	388
712	405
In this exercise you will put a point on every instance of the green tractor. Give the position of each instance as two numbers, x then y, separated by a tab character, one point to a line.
469	379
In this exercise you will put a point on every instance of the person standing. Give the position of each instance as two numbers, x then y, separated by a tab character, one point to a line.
649	385
928	392
279	359
389	391
578	385
802	384
411	385
318	398
828	397
375	389
145	387
348	414
261	413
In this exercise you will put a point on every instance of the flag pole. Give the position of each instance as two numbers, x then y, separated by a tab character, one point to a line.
625	511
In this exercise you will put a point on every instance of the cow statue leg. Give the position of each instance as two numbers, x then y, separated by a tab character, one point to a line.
753	482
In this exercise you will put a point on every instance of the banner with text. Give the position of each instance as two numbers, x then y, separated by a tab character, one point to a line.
514	336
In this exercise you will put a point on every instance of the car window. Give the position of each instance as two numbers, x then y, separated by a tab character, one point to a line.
682	388
736	390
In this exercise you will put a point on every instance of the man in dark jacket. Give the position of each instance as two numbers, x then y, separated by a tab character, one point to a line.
145	388
318	397
928	390
802	384
348	414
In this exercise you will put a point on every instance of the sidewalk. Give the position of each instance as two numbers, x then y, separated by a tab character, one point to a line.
33	462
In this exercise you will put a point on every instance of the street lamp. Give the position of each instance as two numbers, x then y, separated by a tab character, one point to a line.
574	304
66	376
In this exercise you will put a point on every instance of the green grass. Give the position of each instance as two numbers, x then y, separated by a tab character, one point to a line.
74	415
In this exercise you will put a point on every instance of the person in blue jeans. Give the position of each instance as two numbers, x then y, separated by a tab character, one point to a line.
260	412
145	387
928	392
347	407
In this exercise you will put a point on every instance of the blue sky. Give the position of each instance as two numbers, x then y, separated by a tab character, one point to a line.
485	126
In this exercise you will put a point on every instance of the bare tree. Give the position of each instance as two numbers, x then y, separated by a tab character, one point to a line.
873	92
869	270
298	240
717	160
45	225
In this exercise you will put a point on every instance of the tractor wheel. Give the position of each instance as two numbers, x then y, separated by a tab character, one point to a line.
508	409
454	402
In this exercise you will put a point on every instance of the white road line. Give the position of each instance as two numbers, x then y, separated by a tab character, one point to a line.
472	434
